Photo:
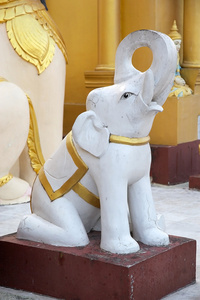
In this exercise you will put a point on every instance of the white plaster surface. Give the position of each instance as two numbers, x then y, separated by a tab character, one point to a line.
125	109
180	207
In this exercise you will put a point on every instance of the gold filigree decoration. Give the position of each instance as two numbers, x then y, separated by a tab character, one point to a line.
31	31
33	141
5	179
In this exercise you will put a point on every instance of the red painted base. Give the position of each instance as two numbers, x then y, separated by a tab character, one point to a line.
175	164
194	182
88	273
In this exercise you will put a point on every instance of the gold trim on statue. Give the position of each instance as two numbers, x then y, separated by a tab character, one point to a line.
31	31
129	141
33	141
5	179
73	182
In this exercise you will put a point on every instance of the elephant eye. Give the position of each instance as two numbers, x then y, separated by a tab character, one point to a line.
127	95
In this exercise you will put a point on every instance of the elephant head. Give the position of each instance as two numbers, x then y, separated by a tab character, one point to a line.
129	106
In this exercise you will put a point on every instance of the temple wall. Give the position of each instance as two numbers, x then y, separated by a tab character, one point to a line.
77	21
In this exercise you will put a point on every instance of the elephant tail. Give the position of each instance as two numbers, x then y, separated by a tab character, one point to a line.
33	141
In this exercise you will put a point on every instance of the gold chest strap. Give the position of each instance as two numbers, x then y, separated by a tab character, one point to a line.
74	181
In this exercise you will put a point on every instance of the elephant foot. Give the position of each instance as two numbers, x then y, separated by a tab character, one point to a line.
15	191
121	246
154	237
34	228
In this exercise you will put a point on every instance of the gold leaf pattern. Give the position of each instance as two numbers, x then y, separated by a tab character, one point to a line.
31	42
31	31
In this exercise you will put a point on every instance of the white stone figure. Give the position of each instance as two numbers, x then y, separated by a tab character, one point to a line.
32	55
14	126
107	157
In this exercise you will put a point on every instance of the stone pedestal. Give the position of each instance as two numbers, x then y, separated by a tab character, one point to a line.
194	182
174	140
175	164
88	273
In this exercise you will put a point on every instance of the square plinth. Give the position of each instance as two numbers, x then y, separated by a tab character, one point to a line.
88	273
175	164
194	182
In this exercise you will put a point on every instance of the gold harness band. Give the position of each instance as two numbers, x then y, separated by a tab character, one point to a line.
74	181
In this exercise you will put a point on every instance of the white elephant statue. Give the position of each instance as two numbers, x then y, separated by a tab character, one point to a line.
33	56
101	169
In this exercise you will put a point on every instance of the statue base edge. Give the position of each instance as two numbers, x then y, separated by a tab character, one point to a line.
194	182
90	273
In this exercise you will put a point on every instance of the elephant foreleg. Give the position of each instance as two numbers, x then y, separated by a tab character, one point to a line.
143	214
115	228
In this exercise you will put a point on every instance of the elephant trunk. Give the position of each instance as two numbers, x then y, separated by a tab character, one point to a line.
163	65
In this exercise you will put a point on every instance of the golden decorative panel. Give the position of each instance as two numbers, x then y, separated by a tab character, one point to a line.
31	31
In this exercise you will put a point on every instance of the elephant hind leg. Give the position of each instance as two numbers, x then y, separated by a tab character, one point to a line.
34	228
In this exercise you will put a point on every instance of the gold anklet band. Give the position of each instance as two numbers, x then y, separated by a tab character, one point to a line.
5	179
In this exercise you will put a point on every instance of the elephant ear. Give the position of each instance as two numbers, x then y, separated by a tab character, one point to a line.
90	134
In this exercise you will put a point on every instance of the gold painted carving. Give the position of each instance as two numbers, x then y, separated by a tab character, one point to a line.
5	179
33	141
129	141
31	31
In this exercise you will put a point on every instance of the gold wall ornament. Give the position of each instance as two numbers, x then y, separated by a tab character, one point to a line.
33	141
5	179
31	31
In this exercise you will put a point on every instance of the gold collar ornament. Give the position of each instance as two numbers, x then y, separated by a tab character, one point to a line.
31	31
129	141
